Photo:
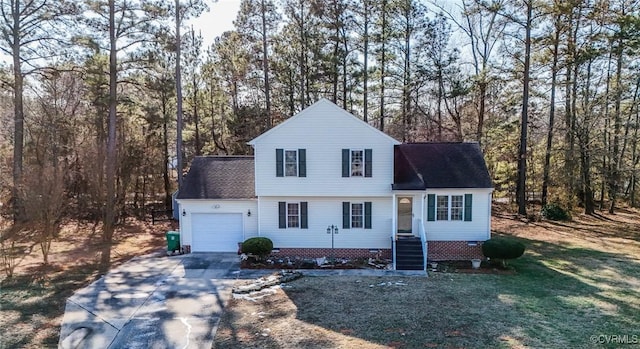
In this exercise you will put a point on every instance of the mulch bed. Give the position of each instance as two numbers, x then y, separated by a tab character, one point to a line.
289	263
486	267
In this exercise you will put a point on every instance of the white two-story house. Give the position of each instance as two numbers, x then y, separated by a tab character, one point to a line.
325	183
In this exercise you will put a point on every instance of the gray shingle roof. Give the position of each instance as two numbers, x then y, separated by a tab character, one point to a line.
418	166
219	177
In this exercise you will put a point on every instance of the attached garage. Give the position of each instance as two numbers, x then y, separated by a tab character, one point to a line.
217	204
216	232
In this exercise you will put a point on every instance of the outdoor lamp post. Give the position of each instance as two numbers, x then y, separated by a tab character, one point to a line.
333	230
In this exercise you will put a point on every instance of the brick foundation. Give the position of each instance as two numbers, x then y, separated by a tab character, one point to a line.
327	252
438	251
453	250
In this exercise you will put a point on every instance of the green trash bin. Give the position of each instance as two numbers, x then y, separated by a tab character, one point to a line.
173	242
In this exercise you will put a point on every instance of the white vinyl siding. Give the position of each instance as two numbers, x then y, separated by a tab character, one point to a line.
478	229
324	212
324	130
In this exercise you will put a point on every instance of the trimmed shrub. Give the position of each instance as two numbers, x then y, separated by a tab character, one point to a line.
259	246
503	249
554	212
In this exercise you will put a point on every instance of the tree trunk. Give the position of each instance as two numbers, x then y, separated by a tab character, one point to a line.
439	103
111	160
606	135
584	141
570	98
265	66
345	47
634	159
552	112
165	153
334	68
179	152
383	62
617	125
365	75
522	153
483	101
303	50
196	119
18	112
406	80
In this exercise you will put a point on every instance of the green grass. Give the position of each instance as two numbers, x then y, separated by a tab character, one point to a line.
561	294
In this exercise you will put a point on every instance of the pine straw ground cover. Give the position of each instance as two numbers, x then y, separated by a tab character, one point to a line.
577	285
32	302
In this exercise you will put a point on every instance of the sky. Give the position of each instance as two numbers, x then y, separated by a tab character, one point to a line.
212	24
218	20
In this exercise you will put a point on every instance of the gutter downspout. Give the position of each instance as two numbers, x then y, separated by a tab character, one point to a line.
424	230
393	228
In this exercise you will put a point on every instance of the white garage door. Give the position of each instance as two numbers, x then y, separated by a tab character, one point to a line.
216	232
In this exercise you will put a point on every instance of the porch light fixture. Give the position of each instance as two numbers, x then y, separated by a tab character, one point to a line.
249	213
184	213
333	230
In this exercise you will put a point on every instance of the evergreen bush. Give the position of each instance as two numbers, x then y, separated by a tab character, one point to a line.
259	246
502	249
554	212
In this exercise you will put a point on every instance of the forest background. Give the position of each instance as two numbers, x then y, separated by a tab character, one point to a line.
90	100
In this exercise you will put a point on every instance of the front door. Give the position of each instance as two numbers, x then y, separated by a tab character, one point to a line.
405	214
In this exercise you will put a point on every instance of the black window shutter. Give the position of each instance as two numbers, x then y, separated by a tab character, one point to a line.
302	162
345	163
431	207
304	221
367	215
468	203
367	162
346	215
279	163
282	215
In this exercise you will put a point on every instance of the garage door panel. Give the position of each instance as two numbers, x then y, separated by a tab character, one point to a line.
216	232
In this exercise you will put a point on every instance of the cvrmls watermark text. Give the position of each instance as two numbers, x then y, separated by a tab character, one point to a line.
615	339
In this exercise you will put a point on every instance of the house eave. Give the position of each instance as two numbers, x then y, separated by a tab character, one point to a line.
254	141
217	199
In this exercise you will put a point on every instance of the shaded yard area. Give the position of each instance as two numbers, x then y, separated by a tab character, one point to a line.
32	302
577	285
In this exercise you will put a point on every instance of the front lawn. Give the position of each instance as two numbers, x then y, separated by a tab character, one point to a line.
577	285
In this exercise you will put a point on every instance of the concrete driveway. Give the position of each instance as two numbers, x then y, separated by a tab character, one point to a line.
154	302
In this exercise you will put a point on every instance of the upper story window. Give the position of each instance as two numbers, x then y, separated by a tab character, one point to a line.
291	163
357	163
449	207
